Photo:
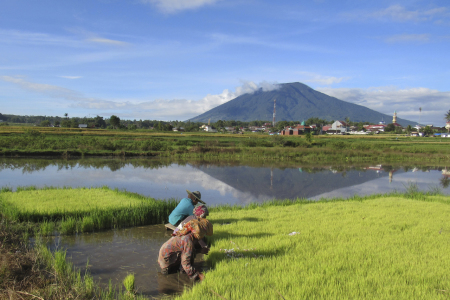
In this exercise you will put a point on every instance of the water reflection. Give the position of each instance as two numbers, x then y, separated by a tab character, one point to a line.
221	182
116	253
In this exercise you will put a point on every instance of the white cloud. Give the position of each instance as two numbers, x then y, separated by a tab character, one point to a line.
50	90
71	77
422	38
401	14
406	102
181	109
173	6
36	39
320	79
106	41
161	109
44	39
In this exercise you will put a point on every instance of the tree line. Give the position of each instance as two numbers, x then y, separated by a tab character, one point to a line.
114	122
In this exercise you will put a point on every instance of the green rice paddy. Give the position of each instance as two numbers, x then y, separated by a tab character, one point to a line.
70	210
387	247
64	142
57	200
393	246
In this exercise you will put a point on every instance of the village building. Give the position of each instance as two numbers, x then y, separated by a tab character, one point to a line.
299	129
374	128
394	120
338	127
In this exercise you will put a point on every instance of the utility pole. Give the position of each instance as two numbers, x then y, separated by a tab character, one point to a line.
274	112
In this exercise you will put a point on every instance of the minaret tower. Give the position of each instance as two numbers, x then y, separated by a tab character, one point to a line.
274	112
394	118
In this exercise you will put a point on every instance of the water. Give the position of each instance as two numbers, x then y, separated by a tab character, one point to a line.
220	182
114	254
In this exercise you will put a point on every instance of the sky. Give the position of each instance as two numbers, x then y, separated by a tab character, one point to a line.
175	59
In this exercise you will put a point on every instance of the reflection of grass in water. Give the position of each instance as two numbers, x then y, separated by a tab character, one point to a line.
81	209
384	247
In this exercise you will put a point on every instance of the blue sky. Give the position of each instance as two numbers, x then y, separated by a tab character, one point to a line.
175	59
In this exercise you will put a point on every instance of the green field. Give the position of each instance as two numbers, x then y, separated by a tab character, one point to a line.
70	210
391	246
67	142
384	247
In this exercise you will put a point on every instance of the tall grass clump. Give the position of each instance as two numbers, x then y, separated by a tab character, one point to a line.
87	224
128	282
68	226
47	228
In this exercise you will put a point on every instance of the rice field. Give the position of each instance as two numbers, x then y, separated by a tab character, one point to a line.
381	247
63	142
391	246
71	210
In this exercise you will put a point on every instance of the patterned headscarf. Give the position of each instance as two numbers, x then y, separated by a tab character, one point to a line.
199	228
201	211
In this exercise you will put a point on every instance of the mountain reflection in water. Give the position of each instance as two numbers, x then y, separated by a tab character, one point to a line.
224	182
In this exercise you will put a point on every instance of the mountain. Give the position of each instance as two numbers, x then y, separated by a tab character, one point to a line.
295	102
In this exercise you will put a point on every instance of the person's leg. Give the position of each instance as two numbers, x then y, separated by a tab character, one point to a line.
172	268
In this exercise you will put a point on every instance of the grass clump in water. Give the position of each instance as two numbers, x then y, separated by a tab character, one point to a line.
128	282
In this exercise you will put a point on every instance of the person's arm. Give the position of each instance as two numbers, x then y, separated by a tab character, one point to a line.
205	249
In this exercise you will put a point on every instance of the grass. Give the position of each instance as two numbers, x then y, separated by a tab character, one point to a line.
378	247
128	282
70	210
39	141
37	273
392	246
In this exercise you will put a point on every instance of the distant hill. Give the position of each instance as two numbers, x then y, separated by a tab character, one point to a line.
295	102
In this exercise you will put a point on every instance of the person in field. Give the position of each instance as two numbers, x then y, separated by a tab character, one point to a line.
185	207
200	211
178	253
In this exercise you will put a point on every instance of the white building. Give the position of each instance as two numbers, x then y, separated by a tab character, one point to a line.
340	125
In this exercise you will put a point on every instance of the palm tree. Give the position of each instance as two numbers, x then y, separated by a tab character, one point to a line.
420	113
66	115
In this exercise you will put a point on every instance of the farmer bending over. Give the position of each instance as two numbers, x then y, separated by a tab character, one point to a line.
178	253
185	207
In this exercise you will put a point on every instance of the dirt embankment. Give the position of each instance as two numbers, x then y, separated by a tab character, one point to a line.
20	274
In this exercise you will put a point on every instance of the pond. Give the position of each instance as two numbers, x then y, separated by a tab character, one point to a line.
221	182
116	253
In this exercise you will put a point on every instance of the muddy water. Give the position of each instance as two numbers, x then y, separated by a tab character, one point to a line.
116	253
